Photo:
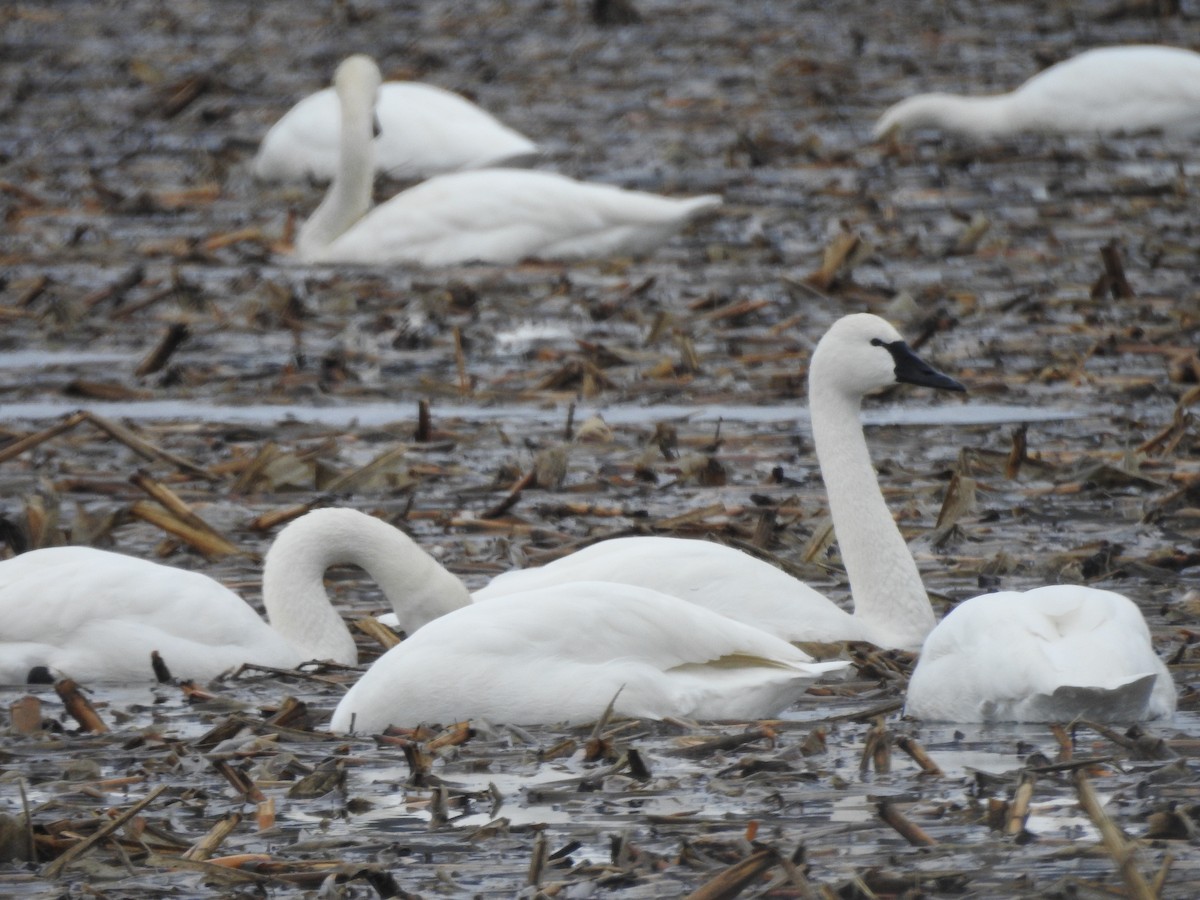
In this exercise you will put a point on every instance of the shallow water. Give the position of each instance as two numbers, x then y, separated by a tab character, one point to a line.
117	194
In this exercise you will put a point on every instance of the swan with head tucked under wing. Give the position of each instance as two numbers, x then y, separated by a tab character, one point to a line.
1051	654
1110	90
95	615
423	130
487	215
562	653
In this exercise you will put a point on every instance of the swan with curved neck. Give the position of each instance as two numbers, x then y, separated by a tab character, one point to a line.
562	653
1109	90
859	353
423	130
95	615
488	215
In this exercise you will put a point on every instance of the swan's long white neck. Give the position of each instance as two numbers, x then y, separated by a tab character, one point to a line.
297	605
349	196
975	117
889	596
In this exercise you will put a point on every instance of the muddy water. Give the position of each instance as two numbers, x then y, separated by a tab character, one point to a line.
125	134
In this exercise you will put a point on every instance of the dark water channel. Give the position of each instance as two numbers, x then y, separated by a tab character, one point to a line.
125	135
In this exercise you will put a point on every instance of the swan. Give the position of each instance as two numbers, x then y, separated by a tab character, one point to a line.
1131	88
1053	653
423	130
562	653
858	354
486	215
96	615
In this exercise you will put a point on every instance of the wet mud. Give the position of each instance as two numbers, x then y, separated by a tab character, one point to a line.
1055	276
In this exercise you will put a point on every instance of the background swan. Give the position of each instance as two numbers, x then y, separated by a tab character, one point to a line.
490	215
1054	653
97	616
858	354
1113	89
423	130
562	653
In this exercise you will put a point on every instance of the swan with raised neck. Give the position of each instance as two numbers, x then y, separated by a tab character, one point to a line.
860	353
348	198
95	615
485	215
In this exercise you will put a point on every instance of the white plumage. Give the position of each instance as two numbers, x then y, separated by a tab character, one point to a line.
423	130
489	215
95	615
858	354
563	652
1127	89
1054	653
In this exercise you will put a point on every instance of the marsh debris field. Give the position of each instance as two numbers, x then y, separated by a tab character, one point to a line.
173	386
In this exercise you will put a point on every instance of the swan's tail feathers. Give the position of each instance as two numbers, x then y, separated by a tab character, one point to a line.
1125	701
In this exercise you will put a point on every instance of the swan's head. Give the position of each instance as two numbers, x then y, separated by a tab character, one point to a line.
357	76
919	111
862	352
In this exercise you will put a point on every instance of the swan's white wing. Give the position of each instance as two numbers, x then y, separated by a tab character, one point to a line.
423	130
303	143
562	653
1030	656
95	615
720	578
505	215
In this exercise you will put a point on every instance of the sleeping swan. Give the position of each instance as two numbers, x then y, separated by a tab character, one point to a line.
1051	654
423	130
858	354
561	653
489	215
95	615
1109	90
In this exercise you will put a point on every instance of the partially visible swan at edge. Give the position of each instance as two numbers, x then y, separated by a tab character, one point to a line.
1132	88
561	653
423	130
858	354
1053	653
95	615
488	215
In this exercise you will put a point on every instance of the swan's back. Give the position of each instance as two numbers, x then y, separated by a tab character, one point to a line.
423	130
505	215
97	616
562	653
1053	653
720	578
1115	89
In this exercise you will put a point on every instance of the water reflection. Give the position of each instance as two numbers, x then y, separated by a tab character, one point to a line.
378	414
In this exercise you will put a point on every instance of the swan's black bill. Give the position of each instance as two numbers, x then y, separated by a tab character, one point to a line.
911	369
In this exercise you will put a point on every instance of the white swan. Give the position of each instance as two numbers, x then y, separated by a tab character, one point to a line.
560	654
1113	89
95	615
858	354
489	215
423	130
1054	653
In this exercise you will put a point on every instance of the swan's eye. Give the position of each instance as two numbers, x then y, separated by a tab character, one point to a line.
876	342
